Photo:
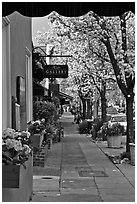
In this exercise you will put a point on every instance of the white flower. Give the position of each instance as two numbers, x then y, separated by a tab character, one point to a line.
25	133
37	121
17	145
26	149
10	143
3	142
43	120
28	134
16	134
14	140
8	132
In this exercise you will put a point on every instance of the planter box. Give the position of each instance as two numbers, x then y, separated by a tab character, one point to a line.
114	141
11	175
132	153
17	182
36	140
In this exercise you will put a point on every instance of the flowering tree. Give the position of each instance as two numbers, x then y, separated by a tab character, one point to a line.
118	37
102	47
114	36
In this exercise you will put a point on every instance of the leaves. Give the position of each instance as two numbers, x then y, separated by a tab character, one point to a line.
86	38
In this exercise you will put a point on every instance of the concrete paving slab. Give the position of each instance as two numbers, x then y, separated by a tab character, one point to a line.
68	198
84	191
127	169
83	168
46	194
110	180
47	171
99	159
113	172
43	183
132	181
67	167
97	168
68	175
77	183
117	198
117	191
125	186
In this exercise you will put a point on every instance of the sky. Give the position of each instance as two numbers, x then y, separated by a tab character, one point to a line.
39	24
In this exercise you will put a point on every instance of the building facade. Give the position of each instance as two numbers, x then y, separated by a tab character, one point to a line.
17	104
16	71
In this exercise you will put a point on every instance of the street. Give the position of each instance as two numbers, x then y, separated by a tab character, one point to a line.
77	170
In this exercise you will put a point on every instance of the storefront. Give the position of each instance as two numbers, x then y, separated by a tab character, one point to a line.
16	99
16	70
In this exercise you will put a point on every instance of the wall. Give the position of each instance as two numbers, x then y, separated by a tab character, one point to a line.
6	76
21	45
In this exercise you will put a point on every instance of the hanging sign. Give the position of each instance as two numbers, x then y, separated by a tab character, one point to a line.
55	71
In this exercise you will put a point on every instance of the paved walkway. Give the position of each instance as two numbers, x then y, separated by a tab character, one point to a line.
77	170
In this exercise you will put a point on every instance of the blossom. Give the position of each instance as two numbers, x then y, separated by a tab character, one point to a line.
37	121
43	120
17	134
17	145
13	143
26	134
8	133
10	143
36	126
26	149
13	146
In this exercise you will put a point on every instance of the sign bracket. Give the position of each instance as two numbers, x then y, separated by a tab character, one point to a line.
55	56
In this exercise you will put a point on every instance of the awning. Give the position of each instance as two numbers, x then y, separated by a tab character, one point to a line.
63	95
72	9
39	90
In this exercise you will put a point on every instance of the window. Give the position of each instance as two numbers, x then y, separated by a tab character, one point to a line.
29	101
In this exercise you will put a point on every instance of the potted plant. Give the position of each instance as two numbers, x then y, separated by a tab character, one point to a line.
113	134
16	147
49	134
36	129
17	174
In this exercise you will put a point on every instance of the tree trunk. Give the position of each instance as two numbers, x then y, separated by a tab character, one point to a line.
96	104
88	109
103	101
103	108
130	129
84	108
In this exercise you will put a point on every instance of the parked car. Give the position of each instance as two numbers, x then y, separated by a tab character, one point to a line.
119	118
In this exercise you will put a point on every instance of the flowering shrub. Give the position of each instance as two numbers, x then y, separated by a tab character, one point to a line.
83	127
43	109
35	127
49	130
112	130
15	146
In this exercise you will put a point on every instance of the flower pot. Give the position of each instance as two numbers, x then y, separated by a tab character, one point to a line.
114	141
132	153
36	140
17	182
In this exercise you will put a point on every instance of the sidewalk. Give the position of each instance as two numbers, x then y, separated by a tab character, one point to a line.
77	170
